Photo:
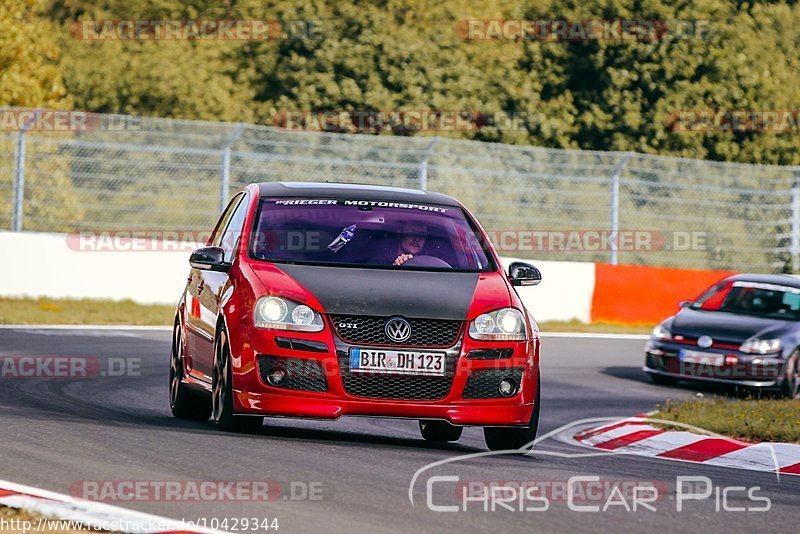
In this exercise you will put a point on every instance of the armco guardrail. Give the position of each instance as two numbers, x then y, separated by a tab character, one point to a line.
131	173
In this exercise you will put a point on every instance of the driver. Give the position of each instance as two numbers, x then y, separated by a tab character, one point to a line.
412	240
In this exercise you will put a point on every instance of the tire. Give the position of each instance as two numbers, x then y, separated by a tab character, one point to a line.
791	381
222	392
440	431
515	440
185	404
662	380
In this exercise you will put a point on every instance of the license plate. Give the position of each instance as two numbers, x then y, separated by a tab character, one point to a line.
403	362
703	358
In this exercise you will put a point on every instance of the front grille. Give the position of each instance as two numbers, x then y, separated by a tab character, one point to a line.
485	383
400	387
718	343
301	374
364	329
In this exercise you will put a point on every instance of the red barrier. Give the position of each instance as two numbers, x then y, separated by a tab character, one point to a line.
632	294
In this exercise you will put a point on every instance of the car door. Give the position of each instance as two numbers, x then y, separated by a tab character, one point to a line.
202	297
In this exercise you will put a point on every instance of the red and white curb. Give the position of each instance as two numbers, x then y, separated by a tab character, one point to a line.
94	515
635	436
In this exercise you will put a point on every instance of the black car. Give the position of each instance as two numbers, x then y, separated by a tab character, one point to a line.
744	331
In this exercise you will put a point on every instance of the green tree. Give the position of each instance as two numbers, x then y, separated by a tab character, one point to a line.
30	74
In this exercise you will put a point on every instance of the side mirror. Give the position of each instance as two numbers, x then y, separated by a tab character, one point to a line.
524	274
209	259
684	303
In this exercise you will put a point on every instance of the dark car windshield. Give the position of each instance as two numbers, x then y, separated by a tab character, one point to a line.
366	233
752	298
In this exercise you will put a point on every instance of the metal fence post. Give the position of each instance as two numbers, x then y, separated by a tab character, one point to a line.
19	174
422	173
19	182
795	230
225	179
614	240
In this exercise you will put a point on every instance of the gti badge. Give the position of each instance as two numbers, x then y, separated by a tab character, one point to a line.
397	329
704	342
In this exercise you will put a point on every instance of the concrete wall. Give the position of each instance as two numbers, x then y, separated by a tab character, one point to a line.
565	292
55	265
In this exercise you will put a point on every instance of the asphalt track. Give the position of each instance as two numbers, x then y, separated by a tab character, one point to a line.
56	432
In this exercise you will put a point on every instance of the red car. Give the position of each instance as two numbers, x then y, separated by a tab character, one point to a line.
324	300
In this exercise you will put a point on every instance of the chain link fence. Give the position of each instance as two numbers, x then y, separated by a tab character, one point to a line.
131	173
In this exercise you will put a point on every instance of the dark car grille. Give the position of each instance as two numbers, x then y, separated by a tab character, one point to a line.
484	383
301	374
400	387
370	331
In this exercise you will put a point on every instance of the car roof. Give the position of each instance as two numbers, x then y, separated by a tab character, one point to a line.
352	191
788	280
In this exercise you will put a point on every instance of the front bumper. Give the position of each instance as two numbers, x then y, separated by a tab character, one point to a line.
254	395
724	366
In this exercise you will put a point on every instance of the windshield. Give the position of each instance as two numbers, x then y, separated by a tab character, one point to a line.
364	233
752	298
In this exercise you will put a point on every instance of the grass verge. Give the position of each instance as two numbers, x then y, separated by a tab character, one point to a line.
84	311
750	419
594	328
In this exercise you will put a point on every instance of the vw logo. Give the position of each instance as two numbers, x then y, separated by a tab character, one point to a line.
397	329
704	342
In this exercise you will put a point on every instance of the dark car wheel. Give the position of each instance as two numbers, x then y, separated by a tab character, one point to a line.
662	380
439	431
222	392
515	439
184	404
791	382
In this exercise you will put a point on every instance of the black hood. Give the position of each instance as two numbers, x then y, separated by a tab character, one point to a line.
726	327
384	292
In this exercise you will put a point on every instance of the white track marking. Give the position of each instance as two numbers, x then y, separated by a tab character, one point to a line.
761	457
667	441
615	433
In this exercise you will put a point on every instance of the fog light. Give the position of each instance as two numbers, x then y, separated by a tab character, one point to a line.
507	388
277	376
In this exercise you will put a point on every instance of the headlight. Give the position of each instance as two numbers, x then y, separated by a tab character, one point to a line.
507	324
283	314
761	346
661	333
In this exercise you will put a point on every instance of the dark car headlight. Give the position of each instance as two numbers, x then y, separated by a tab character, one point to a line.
506	324
661	333
761	346
285	314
